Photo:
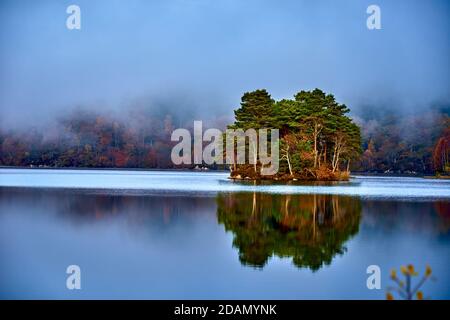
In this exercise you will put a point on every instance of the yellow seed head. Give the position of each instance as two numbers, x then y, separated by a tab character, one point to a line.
419	295
411	270
404	270
393	274
428	271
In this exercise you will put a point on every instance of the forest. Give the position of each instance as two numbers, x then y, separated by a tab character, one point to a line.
414	143
320	138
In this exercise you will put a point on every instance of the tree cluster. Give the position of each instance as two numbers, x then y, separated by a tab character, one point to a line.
318	140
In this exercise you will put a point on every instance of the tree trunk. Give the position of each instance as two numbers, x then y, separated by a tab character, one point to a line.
255	158
289	164
315	143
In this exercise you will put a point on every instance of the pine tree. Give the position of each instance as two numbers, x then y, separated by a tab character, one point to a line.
256	111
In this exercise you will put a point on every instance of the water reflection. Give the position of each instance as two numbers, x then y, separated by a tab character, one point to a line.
311	229
172	245
415	217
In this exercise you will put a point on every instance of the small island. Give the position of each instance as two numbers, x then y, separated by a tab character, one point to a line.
318	140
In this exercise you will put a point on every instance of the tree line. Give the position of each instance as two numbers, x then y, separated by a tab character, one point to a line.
414	143
318	138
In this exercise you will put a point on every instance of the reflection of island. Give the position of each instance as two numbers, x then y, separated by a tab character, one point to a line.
311	229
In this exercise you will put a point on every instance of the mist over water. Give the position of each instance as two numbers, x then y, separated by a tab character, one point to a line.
198	57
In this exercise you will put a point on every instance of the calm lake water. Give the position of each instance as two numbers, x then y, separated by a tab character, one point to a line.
188	235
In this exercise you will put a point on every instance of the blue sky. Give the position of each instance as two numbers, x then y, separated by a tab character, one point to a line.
207	53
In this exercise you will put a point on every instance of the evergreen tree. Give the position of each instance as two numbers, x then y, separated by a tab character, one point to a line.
256	111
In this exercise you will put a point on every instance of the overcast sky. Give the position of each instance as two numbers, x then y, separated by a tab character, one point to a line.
206	53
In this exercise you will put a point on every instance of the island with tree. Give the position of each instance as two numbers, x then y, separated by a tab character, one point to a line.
318	140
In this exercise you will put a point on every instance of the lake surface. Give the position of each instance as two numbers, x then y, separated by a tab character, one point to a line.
188	235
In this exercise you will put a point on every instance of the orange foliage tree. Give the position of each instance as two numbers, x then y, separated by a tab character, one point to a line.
441	154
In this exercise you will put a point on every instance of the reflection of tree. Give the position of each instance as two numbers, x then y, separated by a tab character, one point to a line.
144	212
311	229
443	210
421	218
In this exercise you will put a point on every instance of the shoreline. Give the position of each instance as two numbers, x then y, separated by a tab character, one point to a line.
113	168
353	173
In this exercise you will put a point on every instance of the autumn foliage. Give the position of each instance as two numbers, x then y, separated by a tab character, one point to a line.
441	153
87	139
